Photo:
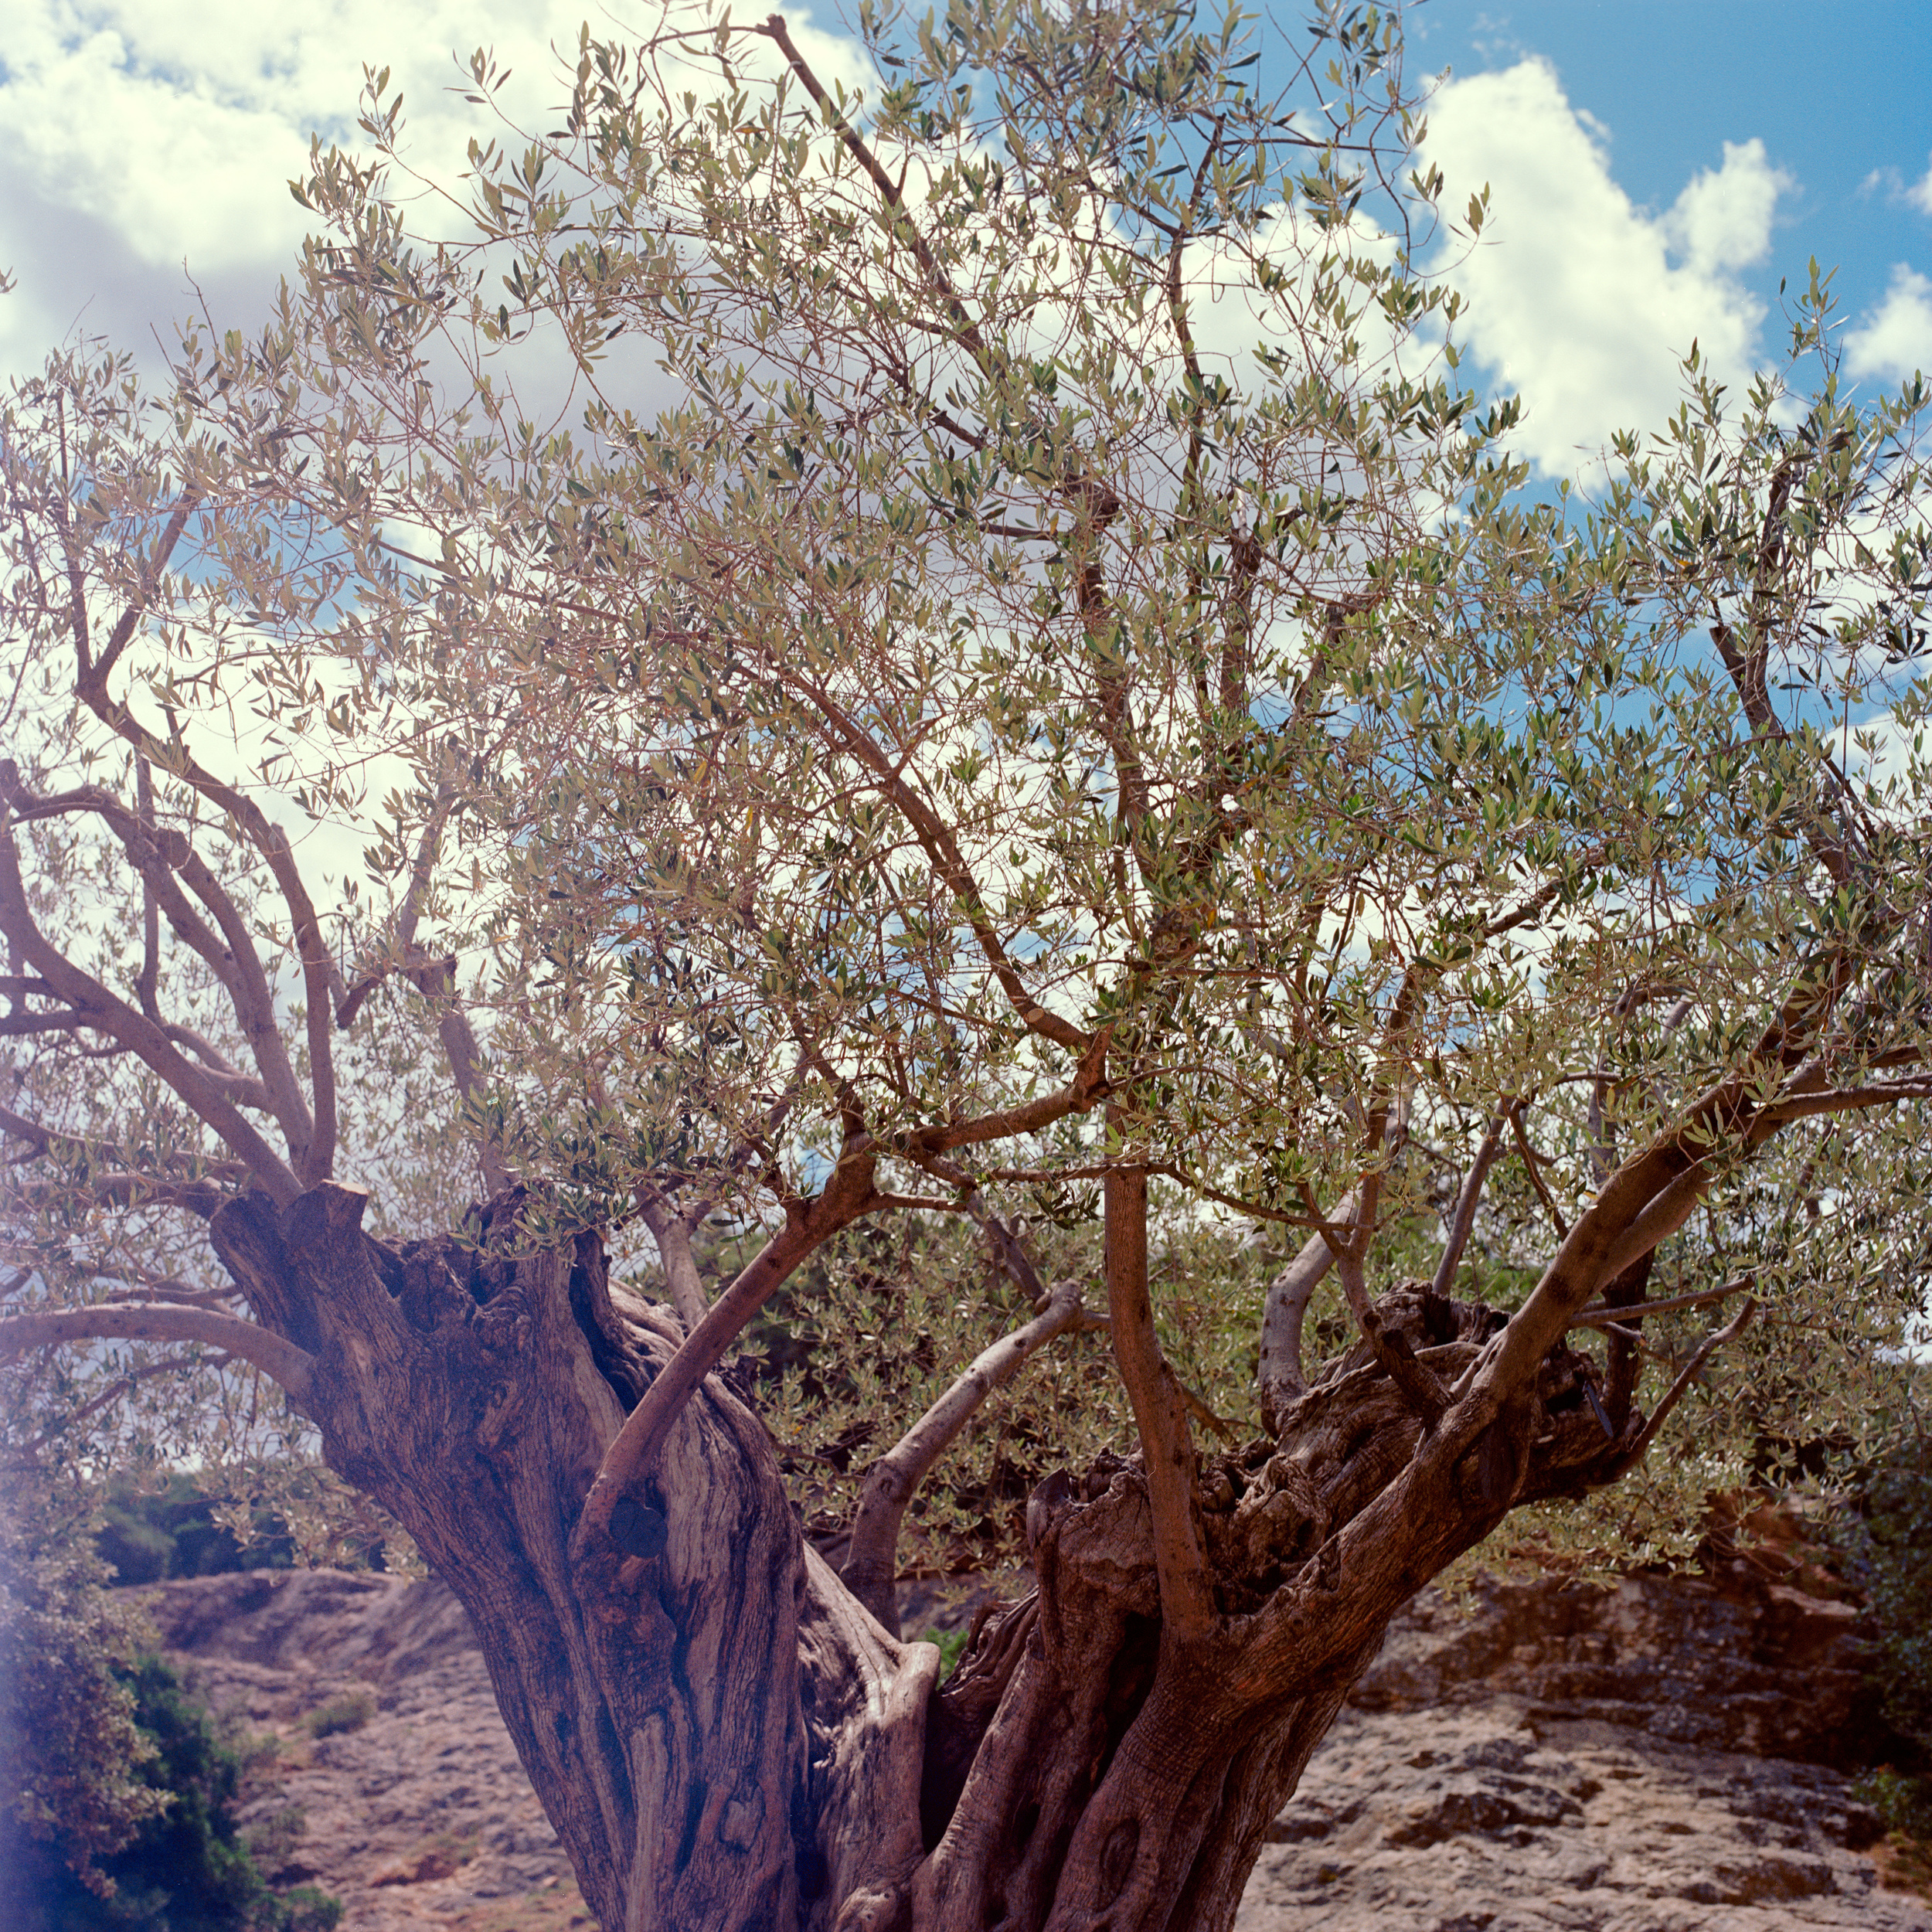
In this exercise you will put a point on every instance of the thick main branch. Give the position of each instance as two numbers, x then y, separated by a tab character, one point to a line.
1160	1414
808	1224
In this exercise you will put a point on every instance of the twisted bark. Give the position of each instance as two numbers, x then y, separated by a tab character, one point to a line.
722	1732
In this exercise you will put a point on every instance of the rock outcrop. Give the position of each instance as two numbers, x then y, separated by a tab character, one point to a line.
1654	1758
1473	1819
1663	1757
1766	1670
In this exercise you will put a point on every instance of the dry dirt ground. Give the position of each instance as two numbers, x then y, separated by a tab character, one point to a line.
1652	1759
415	1811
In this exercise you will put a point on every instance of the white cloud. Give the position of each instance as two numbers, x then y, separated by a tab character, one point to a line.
177	129
1582	301
1890	183
1897	340
1885	758
141	137
1723	220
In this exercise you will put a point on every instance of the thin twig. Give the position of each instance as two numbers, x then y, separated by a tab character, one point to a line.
1531	1162
1730	1332
872	1561
1601	1315
1465	1215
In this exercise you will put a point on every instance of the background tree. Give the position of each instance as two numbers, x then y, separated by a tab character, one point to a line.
74	1792
1065	714
117	1792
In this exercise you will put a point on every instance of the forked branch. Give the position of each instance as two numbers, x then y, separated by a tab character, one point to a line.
872	1562
164	860
315	1161
1657	1188
105	1012
942	848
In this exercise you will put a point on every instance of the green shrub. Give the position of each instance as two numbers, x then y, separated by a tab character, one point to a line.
1893	1555
118	1796
264	1514
348	1712
1891	1552
74	1760
187	1867
952	1645
148	1534
1903	1802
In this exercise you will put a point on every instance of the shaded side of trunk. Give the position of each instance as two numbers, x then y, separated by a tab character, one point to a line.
702	1722
1100	1720
1125	1782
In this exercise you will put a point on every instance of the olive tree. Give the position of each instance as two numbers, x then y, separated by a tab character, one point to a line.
955	648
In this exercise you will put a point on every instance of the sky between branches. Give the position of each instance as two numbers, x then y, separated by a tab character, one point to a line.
1656	168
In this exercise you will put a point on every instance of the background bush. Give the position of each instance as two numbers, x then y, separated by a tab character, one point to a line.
1891	1556
118	1796
148	1534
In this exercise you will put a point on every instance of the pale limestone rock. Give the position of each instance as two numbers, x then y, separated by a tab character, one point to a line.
1545	1760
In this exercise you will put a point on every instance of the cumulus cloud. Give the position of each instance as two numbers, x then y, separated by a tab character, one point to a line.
141	137
1897	340
1723	220
1920	193
1582	302
177	129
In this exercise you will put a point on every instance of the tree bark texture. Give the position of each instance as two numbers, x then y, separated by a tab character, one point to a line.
725	1737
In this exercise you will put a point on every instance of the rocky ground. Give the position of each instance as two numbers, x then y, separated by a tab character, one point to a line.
414	1811
1656	1758
1668	1755
1474	1822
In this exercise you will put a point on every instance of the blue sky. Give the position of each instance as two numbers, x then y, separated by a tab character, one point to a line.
1840	93
1658	169
1655	168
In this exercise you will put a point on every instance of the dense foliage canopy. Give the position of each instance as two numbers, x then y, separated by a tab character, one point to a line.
1065	596
950	644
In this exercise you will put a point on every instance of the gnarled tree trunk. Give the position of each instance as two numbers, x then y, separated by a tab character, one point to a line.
722	1734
